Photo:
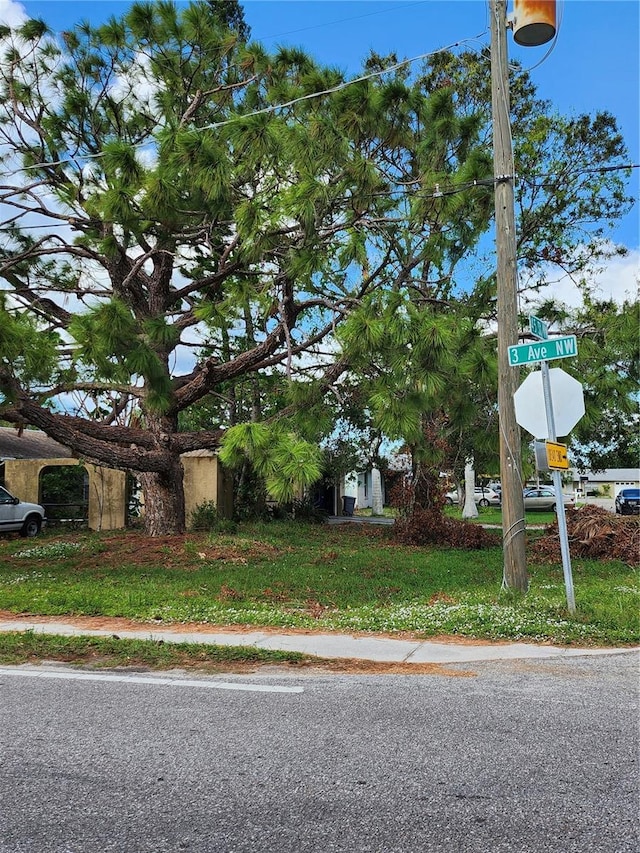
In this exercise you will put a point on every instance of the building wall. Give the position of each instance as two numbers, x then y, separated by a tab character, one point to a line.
365	489
107	488
609	482
107	498
205	480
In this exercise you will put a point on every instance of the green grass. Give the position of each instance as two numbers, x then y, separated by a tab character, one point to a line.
346	578
493	515
100	652
367	512
486	515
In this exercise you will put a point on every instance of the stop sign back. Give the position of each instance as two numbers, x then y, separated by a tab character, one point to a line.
567	399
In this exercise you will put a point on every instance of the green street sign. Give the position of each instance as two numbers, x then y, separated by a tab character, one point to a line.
538	328
543	351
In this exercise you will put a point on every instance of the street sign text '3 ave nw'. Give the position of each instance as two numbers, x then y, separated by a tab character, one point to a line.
543	350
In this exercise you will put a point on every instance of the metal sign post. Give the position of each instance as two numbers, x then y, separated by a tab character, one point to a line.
557	484
542	351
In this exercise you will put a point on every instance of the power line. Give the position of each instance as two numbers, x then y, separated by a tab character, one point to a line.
393	9
338	88
530	181
438	191
273	107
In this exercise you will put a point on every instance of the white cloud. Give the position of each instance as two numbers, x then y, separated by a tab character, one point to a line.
620	279
617	281
12	14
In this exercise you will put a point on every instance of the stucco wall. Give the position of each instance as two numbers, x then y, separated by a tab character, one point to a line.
205	480
107	488
107	498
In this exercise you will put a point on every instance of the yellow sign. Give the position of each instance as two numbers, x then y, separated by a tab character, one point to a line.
557	455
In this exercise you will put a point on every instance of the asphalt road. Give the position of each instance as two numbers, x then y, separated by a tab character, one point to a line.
519	756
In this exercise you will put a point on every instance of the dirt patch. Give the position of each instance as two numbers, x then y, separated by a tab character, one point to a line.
318	666
310	667
365	667
187	552
117	623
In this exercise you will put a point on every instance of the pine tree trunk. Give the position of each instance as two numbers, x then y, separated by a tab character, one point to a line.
164	512
423	486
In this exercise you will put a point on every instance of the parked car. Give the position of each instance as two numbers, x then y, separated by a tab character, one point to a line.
544	499
17	516
628	502
482	496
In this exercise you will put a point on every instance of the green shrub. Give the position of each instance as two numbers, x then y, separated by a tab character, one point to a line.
206	517
304	510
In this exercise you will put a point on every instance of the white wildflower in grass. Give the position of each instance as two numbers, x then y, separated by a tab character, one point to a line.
33	576
464	619
497	621
534	619
52	550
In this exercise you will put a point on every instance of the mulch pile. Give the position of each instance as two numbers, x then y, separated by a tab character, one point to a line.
594	533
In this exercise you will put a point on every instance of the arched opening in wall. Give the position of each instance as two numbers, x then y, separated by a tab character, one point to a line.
64	493
135	503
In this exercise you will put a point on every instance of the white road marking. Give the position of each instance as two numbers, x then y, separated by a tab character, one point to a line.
140	679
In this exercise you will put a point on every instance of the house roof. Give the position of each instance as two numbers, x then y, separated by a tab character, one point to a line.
613	475
35	444
30	444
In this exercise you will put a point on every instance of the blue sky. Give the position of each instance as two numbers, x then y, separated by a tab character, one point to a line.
594	64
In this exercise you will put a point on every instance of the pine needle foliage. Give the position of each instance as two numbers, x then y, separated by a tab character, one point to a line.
286	462
203	226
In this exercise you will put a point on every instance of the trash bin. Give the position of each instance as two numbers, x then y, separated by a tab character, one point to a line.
348	505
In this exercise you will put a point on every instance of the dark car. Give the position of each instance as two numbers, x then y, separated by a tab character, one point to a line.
628	502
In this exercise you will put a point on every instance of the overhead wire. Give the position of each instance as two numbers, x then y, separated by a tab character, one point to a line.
333	89
272	107
395	7
439	191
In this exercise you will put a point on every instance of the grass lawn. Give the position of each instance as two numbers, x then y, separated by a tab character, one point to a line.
293	575
486	515
108	652
493	515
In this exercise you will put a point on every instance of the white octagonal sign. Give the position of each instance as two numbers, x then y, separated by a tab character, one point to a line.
566	396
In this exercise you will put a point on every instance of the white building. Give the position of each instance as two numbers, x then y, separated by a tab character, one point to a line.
605	483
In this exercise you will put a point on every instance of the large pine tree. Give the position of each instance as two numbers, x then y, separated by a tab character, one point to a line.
163	176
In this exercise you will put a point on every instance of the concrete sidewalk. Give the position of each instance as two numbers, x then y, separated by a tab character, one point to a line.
343	646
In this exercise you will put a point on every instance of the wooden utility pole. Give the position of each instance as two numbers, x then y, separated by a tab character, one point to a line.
513	523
